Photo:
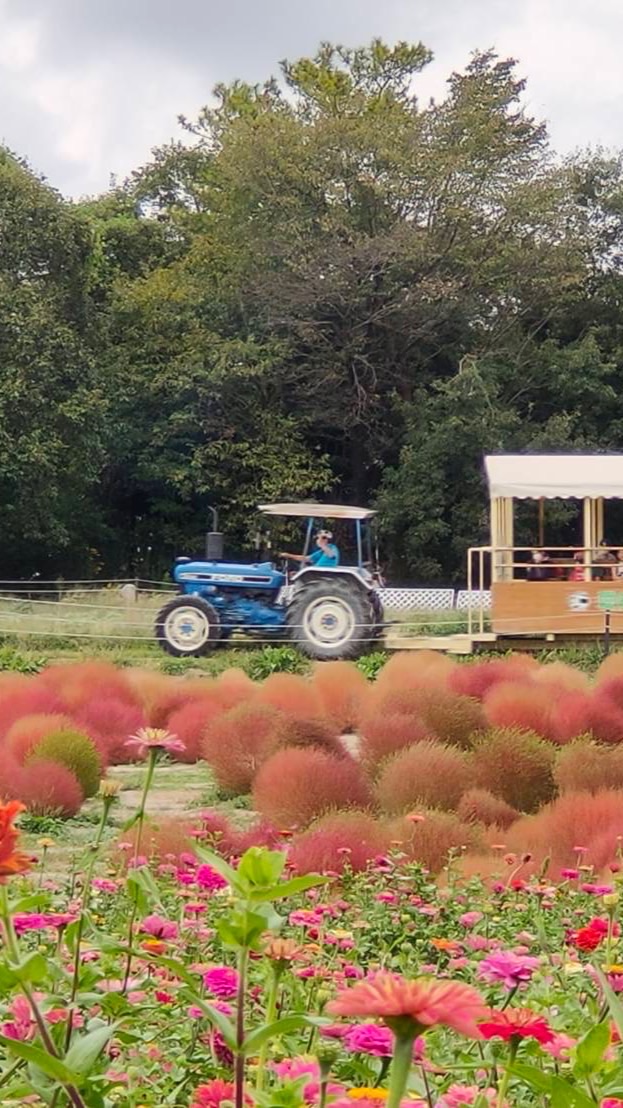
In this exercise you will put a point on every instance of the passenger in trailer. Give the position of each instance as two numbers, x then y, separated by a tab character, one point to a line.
618	569
540	570
578	571
605	563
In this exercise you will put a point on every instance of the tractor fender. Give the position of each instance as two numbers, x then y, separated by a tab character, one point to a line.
349	574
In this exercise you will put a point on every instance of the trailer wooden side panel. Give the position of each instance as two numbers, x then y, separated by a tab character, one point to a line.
556	607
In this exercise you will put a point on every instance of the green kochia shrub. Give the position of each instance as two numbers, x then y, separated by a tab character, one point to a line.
74	750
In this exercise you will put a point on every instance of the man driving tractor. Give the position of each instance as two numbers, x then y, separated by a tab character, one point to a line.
327	556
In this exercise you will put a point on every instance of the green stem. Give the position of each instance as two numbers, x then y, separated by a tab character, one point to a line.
271	1012
140	820
84	903
503	1088
243	959
400	1070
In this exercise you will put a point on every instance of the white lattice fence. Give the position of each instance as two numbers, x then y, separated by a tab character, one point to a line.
477	598
417	600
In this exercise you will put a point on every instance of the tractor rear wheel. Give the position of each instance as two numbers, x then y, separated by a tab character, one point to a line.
188	627
331	619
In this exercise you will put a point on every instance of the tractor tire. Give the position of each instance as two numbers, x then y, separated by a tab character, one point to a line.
188	627
330	619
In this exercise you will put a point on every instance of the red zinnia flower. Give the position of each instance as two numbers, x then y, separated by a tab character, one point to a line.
12	861
518	1023
409	1007
212	1094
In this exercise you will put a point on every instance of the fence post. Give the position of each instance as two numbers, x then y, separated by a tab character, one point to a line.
607	633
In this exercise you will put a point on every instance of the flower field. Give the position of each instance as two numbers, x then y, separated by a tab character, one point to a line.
410	894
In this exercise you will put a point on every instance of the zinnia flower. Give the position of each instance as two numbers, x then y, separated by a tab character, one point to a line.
212	1094
12	861
208	878
508	968
154	738
459	1095
158	927
410	1007
221	981
376	1040
517	1023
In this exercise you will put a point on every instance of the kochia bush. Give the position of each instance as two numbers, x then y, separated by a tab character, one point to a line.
515	765
295	786
427	774
76	752
339	841
236	743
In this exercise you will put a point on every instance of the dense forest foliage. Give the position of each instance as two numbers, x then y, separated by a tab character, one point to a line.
325	288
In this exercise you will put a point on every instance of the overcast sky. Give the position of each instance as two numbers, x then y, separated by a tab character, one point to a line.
88	87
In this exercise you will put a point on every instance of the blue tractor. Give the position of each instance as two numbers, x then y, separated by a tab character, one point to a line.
326	612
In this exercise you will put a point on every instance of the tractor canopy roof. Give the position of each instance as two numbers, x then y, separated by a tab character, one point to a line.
317	511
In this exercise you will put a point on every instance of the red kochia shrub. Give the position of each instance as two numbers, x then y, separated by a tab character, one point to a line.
605	718
342	689
189	723
612	688
384	735
430	840
316	733
75	683
570	716
295	786
288	693
25	733
453	719
234	687
481	806
261	833
526	706
157	694
612	666
338	841
516	765
110	723
561	677
573	820
476	678
25	698
587	765
9	774
47	788
387	701
236	743
415	670
426	774
165	840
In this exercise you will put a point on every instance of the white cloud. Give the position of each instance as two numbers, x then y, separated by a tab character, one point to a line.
87	89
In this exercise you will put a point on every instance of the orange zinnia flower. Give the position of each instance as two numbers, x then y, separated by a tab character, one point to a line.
12	861
410	1007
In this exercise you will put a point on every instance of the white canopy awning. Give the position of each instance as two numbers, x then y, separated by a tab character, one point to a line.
317	511
555	476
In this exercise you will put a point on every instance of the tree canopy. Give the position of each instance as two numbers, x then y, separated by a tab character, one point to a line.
324	287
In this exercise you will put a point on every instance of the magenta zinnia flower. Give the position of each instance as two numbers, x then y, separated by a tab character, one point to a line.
213	1094
158	927
507	968
221	981
208	878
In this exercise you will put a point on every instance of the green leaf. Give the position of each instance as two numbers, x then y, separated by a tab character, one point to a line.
28	903
273	1030
564	1095
589	1052
52	1067
131	822
143	889
614	1004
532	1075
289	888
219	1020
261	867
84	1051
244	928
32	969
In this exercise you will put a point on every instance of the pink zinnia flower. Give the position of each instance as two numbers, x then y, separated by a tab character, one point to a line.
293	1068
208	878
458	1095
377	1040
470	919
507	968
22	1026
412	1006
40	921
158	927
154	738
221	981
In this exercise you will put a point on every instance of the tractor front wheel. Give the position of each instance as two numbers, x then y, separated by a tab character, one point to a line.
331	620
188	627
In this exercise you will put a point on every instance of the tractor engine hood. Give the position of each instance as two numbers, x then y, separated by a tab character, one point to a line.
260	575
